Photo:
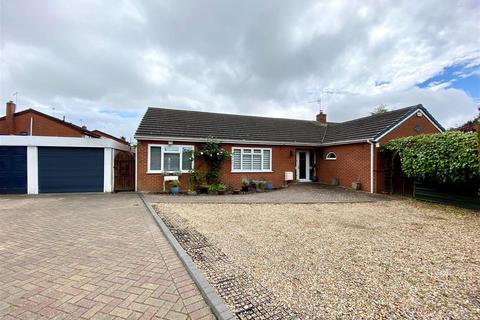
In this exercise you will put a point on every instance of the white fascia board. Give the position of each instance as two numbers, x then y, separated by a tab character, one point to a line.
41	141
344	142
230	141
405	119
255	142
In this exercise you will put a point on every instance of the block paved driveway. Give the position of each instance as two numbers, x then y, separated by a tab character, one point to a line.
90	256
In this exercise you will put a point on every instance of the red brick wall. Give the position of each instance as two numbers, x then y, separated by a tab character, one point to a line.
283	159
406	129
42	126
352	164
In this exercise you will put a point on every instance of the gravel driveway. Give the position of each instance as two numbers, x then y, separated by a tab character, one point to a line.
296	193
385	259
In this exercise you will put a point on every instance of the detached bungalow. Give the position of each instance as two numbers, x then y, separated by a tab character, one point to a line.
274	149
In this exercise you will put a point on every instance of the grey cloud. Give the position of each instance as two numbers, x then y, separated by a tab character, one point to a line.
252	57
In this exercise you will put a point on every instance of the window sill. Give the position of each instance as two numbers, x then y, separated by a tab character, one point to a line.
251	171
168	173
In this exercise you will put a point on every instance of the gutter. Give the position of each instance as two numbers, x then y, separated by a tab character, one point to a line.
372	175
257	142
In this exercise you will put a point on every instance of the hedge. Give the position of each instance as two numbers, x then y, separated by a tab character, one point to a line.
448	157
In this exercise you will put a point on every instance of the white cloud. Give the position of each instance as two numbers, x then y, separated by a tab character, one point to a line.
248	57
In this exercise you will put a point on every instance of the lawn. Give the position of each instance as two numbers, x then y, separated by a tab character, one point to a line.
384	259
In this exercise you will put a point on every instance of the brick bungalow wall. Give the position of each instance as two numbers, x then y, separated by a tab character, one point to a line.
353	161
352	164
283	159
42	126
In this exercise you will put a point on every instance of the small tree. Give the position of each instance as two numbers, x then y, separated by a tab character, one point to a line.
380	109
448	157
213	154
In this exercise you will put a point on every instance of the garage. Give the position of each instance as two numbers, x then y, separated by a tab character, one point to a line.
64	169
13	170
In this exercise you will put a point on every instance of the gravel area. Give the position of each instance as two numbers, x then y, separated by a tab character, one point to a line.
295	193
384	259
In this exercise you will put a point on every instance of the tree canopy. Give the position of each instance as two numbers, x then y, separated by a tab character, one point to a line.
380	109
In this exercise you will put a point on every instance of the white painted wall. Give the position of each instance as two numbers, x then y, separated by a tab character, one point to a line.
108	173
32	170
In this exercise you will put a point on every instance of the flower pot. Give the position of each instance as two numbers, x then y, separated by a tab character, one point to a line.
174	190
221	192
204	190
244	188
356	185
192	193
268	186
236	191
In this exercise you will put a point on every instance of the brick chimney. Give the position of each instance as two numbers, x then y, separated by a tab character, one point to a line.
9	117
322	117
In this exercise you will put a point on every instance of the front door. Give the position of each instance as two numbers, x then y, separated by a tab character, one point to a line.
303	166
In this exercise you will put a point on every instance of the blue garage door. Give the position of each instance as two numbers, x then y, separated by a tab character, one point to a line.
13	170
70	169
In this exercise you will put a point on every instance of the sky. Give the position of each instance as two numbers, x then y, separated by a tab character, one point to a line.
102	63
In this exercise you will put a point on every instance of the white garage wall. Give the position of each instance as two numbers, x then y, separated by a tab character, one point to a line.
32	170
33	142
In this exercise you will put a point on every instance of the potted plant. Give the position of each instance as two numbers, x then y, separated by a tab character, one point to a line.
356	185
221	189
260	184
175	186
245	184
191	192
268	186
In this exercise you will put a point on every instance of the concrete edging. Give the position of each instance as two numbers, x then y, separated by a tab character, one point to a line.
214	301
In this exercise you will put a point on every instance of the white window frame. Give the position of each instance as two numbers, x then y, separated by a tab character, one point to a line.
331	159
252	153
163	146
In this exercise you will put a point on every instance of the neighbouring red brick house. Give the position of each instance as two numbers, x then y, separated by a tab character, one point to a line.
271	148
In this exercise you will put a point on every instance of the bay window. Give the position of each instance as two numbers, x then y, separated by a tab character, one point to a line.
251	159
169	158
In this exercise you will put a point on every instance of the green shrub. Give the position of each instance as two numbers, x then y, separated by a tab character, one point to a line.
448	157
216	187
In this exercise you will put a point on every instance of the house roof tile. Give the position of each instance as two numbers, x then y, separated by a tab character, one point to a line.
171	123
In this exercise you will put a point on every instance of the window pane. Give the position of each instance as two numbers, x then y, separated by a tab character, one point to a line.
247	162
187	158
266	160
257	162
155	158
236	158
247	150
257	151
172	161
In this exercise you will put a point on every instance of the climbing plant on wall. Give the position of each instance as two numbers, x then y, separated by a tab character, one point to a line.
213	155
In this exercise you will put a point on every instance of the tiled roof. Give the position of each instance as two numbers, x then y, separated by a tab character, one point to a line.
159	122
170	123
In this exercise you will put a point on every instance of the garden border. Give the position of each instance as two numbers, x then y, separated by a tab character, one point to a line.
216	304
